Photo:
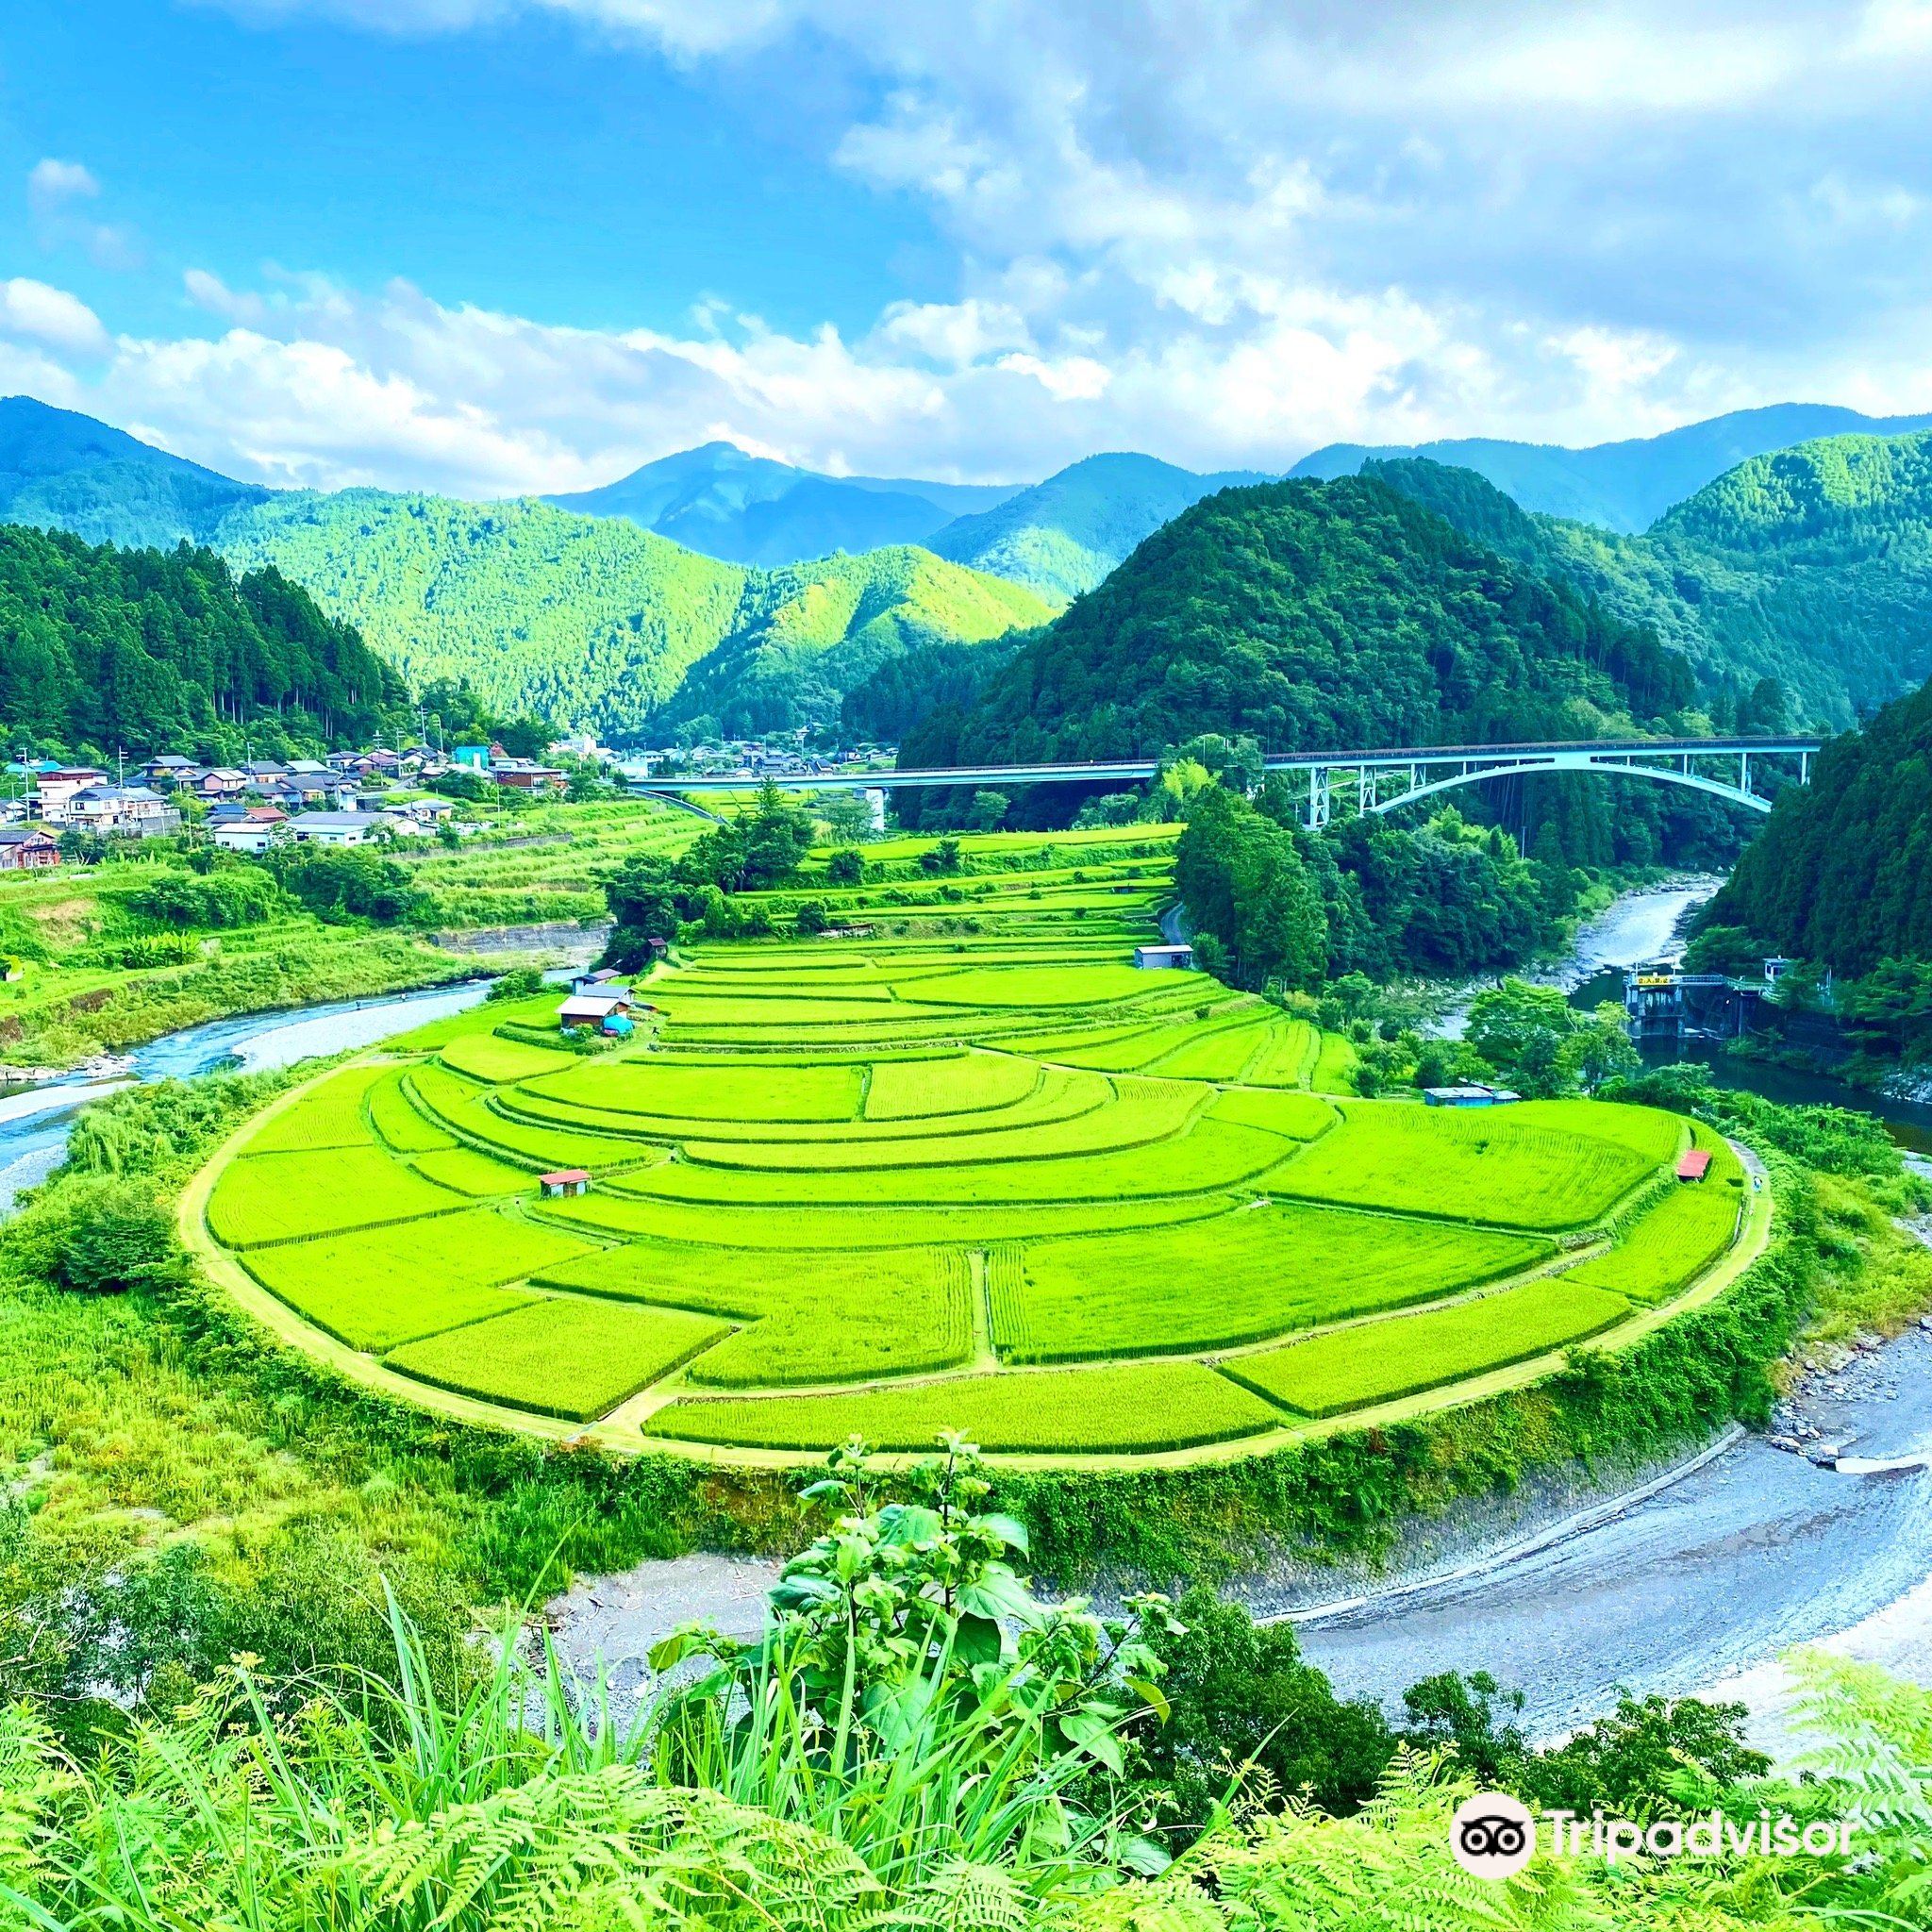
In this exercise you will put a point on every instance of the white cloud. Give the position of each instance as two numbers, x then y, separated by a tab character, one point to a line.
51	184
50	315
56	191
1224	230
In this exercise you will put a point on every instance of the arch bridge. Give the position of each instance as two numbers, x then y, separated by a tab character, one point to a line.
1379	781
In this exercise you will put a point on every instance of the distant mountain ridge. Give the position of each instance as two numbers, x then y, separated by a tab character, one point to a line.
1812	565
1063	536
62	471
1623	485
751	509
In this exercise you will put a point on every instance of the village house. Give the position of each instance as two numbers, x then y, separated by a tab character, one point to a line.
337	828
257	829
524	774
123	811
53	790
28	848
166	770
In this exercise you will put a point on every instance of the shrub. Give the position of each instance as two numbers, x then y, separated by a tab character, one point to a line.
845	868
520	983
99	1235
810	918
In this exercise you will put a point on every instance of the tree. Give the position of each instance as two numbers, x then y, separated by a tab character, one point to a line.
1625	1764
1244	883
1520	1030
943	856
809	920
100	1235
845	868
1598	1050
1239	1692
847	817
988	811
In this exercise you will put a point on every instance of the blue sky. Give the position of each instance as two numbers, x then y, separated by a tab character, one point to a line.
494	245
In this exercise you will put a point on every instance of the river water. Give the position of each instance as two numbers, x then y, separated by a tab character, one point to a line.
33	1125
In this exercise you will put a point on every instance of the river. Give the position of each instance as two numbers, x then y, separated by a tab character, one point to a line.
34	1125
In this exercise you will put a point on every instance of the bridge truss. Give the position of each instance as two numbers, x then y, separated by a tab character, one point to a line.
1377	781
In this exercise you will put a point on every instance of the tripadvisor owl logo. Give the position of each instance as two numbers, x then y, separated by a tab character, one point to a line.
1492	1834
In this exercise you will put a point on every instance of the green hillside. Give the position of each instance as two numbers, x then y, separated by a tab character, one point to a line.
1065	535
593	620
1812	565
805	635
104	649
61	471
1623	485
1313	615
1842	871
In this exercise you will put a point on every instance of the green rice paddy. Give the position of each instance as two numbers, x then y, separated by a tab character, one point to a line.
965	1169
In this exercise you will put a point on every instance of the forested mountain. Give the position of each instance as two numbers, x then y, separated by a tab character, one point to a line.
1062	535
1812	565
750	510
59	471
805	636
1313	615
590	621
1623	485
1842	871
147	650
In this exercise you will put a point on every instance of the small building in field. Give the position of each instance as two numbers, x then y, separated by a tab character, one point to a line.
595	1008
566	1180
1694	1165
1470	1093
1155	958
595	980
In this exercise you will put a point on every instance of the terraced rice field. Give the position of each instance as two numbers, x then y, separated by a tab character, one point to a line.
964	1169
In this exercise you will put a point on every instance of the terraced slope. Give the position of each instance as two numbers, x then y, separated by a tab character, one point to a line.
923	1179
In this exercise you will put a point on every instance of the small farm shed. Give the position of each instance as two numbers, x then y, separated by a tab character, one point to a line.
1155	958
593	1008
1694	1165
1470	1093
566	1180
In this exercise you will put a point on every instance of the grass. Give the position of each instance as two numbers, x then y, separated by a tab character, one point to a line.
378	1288
567	1355
1669	1245
400	1126
1378	1360
484	1056
963	1083
281	1197
811	1319
975	1141
719	1090
1543	1164
1251	1275
330	1116
1139	1407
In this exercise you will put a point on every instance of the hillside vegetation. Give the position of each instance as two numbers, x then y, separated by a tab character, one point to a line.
1810	565
1843	872
1063	536
1313	615
61	471
592	621
142	648
1622	486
